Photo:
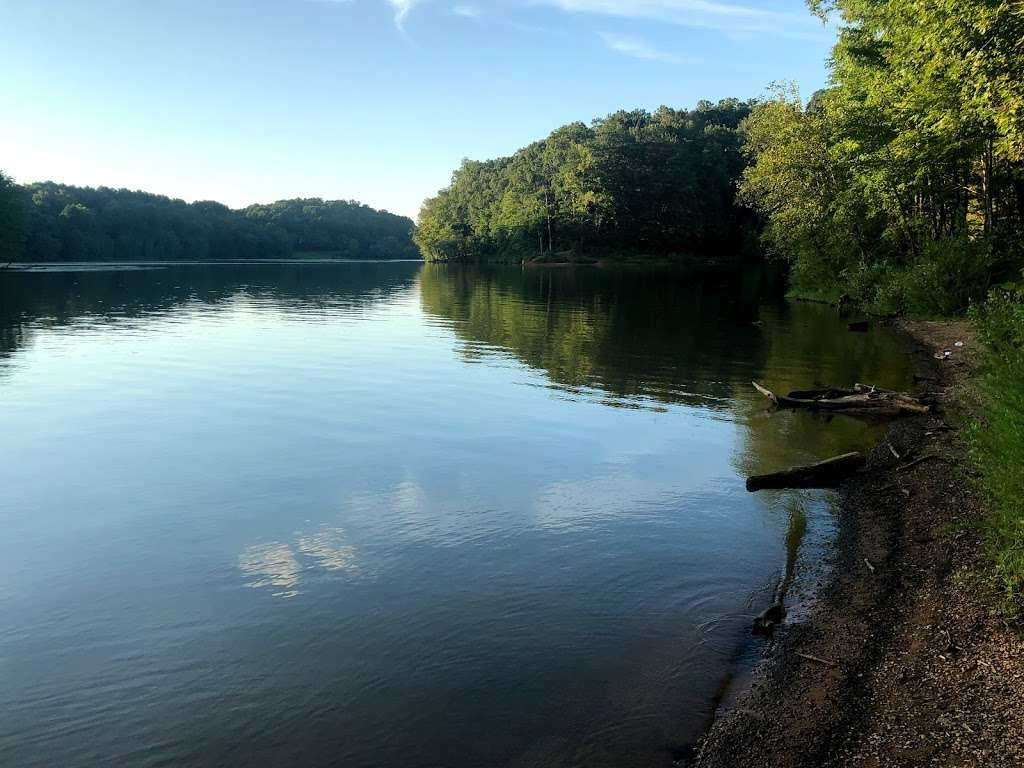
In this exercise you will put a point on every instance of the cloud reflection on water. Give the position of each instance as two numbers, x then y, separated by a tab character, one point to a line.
282	566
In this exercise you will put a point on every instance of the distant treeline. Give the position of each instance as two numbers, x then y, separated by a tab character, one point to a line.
56	222
632	182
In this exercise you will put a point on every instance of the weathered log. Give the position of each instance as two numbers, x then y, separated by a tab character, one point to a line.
860	401
825	474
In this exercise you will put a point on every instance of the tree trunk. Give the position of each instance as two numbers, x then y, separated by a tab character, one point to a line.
547	210
988	188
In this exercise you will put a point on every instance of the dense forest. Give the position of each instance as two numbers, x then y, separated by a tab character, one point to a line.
56	222
632	182
901	185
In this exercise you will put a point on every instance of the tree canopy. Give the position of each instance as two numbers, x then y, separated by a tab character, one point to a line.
902	183
654	183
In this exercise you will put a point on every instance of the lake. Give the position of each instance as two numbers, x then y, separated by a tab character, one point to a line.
394	514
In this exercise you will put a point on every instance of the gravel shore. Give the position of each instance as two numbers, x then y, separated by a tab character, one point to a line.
905	660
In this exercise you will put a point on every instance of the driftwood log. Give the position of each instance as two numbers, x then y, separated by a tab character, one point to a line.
860	401
824	474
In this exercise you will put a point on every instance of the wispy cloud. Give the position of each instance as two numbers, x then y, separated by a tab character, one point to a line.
402	8
722	16
468	11
637	48
501	16
731	18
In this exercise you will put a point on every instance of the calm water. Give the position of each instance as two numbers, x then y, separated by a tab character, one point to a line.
393	515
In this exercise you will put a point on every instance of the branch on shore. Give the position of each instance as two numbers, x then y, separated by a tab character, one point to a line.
862	400
921	460
816	659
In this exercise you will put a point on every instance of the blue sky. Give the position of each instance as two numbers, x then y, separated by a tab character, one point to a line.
377	100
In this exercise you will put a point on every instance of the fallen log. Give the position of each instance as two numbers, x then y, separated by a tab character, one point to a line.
860	401
825	474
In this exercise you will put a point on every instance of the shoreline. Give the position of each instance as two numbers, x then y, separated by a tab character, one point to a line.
903	659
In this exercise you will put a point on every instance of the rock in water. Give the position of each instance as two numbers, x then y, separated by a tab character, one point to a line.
769	618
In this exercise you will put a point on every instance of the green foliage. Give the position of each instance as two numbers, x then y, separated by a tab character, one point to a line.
12	220
998	443
900	184
66	223
632	182
794	181
948	277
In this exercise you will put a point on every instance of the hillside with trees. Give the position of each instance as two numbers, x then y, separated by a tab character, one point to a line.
50	222
630	183
347	229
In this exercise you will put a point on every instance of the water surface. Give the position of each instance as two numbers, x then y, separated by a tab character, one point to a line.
394	514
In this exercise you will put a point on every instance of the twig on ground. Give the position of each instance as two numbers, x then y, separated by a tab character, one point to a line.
869	565
894	453
816	659
921	460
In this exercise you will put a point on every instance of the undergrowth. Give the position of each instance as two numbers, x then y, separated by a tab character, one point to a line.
997	441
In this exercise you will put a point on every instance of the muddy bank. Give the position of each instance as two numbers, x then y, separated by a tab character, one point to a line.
904	661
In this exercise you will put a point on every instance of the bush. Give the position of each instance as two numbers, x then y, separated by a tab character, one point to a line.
945	279
818	271
878	286
948	277
998	444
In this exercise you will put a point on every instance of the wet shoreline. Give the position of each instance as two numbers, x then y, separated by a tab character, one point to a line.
862	681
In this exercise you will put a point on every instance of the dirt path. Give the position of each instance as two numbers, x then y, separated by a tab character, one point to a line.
905	661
